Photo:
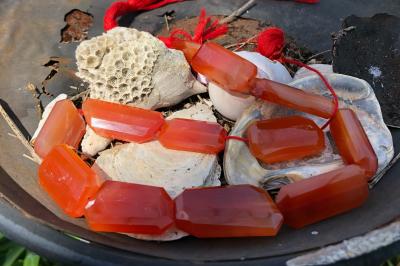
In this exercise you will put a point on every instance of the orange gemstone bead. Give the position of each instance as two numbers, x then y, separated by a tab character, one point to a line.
131	208
352	142
293	98
193	135
189	49
317	198
63	126
122	122
227	69
68	180
282	139
233	211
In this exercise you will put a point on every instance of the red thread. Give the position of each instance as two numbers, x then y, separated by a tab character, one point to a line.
117	9
308	1
205	30
270	44
237	138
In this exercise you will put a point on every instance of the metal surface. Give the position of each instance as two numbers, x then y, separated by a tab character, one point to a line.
29	36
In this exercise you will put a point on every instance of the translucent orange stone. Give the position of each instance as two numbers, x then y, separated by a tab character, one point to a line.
233	211
131	208
293	98
122	122
63	126
189	49
227	69
352	142
317	198
68	180
282	139
193	135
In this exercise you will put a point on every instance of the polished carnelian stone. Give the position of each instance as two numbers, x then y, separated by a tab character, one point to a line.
352	142
63	126
122	122
293	98
68	180
193	135
225	68
317	198
188	48
233	211
287	138
130	208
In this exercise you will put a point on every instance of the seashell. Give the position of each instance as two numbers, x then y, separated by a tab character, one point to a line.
241	167
132	67
46	113
325	69
152	164
232	106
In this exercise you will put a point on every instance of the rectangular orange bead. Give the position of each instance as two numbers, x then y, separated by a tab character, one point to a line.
122	122
232	211
222	66
287	138
320	197
193	135
352	142
131	208
293	98
64	125
68	180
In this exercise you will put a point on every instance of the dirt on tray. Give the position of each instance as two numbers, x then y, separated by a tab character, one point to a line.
78	24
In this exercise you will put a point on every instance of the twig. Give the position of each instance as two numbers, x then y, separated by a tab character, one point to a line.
316	55
238	12
248	41
82	95
244	43
166	22
19	135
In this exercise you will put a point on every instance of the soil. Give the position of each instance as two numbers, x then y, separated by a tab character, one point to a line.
78	24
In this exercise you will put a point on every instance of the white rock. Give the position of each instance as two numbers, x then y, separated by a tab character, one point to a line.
93	143
152	164
232	106
46	112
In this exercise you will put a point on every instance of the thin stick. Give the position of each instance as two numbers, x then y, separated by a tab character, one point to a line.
82	95
248	41
244	43
238	12
19	135
166	22
316	55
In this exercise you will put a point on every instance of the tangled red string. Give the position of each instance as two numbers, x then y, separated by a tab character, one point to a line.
205	30
308	1
117	9
270	43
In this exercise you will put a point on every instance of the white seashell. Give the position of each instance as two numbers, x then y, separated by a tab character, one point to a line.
152	164
132	67
241	167
232	106
46	112
325	69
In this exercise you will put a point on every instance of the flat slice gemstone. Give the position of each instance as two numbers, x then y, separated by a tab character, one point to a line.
283	139
320	197
293	98
352	142
193	135
131	208
68	180
63	126
233	211
122	122
225	68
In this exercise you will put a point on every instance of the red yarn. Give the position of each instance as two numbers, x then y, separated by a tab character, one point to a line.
308	1
205	30
270	44
236	138
121	8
